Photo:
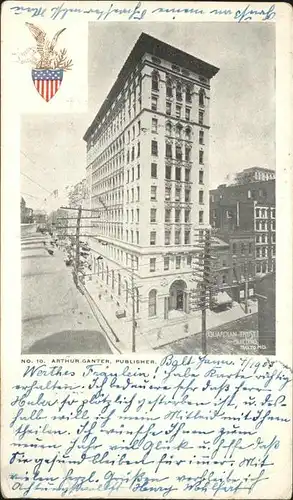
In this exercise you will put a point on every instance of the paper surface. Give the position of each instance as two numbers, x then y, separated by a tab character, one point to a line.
82	415
174	427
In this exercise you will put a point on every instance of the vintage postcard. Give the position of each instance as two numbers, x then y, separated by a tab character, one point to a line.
146	250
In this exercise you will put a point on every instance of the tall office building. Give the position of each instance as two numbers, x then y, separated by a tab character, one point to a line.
148	168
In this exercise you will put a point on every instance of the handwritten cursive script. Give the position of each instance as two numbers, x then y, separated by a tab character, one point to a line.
143	11
181	426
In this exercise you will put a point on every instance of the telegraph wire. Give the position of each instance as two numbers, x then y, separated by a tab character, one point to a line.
28	177
27	194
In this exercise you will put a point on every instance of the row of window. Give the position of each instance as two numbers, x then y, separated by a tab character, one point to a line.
119	255
177	215
178	173
110	198
251	194
178	132
108	229
177	237
263	251
263	238
133	174
114	126
110	182
180	262
263	267
132	155
263	176
130	236
264	225
133	132
178	176
177	111
132	191
177	89
264	212
178	194
106	163
133	237
243	248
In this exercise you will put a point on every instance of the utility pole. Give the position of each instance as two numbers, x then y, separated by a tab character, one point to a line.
77	246
246	288
205	289
133	305
202	274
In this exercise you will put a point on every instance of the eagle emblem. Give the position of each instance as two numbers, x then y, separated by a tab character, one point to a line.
48	63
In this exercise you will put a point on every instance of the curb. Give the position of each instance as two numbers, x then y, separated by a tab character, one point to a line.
98	315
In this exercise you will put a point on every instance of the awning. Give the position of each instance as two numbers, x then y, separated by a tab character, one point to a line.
222	298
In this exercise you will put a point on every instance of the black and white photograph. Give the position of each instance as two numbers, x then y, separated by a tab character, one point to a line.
148	223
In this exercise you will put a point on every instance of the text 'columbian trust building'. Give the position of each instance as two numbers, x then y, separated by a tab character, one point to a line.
148	171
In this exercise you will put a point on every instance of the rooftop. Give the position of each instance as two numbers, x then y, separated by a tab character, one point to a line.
239	187
148	44
262	169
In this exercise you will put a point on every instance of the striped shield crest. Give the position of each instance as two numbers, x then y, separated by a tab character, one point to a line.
47	81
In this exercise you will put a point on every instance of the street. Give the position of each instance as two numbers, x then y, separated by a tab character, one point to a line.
56	318
236	337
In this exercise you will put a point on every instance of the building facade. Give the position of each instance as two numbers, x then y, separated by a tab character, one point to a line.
26	213
147	169
254	174
244	216
266	295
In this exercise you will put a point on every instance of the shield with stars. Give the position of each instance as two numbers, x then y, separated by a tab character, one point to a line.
47	81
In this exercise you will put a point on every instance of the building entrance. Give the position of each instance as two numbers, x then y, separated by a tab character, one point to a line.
179	301
178	296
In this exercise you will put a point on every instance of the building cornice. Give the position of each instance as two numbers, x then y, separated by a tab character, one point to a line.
148	44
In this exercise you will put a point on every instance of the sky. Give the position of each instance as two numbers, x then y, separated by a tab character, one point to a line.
242	114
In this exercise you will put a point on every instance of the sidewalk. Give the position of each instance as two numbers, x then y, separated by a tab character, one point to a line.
180	325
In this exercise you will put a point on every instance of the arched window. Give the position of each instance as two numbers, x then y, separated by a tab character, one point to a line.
112	279
155	81
152	303
178	131
103	271
178	152
126	290
201	97
187	133
169	90
188	94
168	128
107	275
179	91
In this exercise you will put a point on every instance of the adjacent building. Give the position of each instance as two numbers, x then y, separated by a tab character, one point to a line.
26	213
254	174
266	295
244	216
78	194
147	171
